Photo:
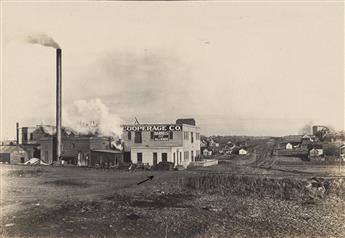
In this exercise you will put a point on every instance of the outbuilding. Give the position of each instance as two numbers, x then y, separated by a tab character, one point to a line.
242	152
289	146
13	154
207	152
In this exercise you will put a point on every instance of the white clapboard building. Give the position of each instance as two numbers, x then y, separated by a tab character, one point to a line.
178	143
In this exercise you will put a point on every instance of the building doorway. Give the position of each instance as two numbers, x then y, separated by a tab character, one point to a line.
37	153
154	158
140	158
164	157
177	157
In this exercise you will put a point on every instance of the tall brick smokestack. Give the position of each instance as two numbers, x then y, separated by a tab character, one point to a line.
17	133
58	105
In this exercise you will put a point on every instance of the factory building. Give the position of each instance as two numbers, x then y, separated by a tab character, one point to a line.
40	142
178	143
76	150
29	138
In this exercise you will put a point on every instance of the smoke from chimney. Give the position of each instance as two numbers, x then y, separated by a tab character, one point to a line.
42	39
92	117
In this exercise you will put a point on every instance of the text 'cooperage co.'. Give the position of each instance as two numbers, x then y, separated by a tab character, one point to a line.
152	128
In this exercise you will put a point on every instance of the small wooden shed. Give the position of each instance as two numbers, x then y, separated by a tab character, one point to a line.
13	154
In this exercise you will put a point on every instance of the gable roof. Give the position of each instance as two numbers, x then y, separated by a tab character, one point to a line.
203	144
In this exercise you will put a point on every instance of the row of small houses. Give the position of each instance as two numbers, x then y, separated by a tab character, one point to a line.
229	149
307	146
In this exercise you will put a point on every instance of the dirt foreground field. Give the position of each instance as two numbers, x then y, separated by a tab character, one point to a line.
80	202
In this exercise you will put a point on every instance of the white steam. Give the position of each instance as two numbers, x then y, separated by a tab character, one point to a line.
42	39
92	117
117	145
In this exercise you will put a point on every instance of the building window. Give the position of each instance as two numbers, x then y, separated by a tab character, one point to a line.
25	136
186	155
137	137
174	157
152	135
171	136
31	136
46	156
192	137
197	135
129	135
140	157
192	153
186	135
154	158
164	157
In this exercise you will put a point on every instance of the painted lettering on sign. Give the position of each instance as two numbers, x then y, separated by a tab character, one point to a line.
161	135
153	128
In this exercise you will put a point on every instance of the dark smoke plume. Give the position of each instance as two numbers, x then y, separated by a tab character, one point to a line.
42	39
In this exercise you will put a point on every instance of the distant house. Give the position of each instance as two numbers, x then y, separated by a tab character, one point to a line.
289	146
313	153
294	140
203	145
13	154
316	154
317	150
342	151
207	152
320	151
242	152
307	137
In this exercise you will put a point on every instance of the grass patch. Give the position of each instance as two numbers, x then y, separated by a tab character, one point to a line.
26	173
67	182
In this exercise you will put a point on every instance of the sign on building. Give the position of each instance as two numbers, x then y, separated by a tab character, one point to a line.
161	135
154	128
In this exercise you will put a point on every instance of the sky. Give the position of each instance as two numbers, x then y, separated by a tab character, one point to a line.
238	68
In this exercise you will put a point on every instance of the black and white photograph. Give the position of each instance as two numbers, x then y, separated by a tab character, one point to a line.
172	119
